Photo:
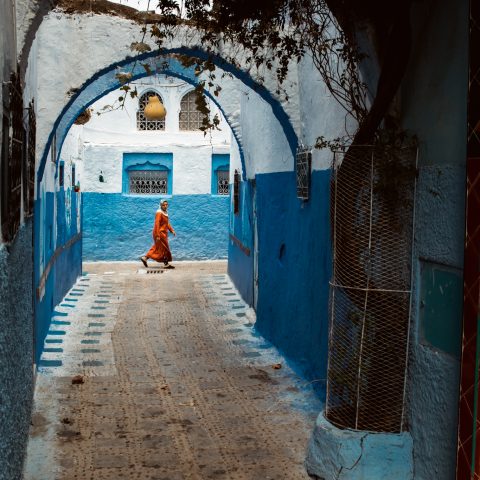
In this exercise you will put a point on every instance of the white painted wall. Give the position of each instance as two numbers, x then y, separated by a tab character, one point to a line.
109	134
62	67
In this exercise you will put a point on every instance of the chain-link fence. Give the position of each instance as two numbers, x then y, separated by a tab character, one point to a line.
372	208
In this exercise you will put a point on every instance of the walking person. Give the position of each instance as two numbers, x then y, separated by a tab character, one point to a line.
160	250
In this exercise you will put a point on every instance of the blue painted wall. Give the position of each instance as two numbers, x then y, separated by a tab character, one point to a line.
294	268
241	246
16	351
68	263
119	227
294	265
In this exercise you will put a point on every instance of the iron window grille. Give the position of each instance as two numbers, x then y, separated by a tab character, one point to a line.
236	193
53	149
142	122
148	182
61	175
13	148
190	119
303	162
223	187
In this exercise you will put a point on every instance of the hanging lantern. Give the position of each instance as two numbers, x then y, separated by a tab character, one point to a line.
154	110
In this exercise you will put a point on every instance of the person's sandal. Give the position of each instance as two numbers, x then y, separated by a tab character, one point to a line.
144	261
169	266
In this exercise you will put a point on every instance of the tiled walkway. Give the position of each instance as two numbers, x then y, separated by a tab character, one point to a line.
176	384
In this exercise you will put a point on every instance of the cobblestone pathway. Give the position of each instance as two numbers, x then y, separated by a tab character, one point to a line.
176	384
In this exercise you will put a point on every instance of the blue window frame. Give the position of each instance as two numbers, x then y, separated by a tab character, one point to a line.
220	174
147	173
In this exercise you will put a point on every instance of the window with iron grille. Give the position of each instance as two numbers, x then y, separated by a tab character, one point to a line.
191	118
142	122
53	149
303	167
148	182
29	176
236	193
223	187
12	159
61	174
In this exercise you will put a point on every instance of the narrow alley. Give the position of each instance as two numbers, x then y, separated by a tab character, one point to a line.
151	375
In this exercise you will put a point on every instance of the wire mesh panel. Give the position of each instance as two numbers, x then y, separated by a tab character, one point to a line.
147	182
142	122
372	208
303	168
222	182
190	117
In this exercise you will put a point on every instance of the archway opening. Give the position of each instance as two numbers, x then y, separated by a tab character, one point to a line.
105	166
124	165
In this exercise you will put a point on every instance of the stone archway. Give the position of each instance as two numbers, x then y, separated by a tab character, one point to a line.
71	80
64	82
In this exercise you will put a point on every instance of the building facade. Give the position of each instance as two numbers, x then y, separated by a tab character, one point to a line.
124	164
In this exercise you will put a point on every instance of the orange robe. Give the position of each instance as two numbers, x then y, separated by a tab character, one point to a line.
160	250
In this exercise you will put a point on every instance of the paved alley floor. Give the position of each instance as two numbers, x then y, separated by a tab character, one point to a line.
162	376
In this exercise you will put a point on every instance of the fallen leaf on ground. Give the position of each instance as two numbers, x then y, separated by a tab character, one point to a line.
277	366
78	380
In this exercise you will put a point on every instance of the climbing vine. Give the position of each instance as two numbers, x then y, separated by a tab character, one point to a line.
335	34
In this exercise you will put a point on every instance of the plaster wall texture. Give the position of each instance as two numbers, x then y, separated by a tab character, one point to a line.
265	146
109	38
16	351
171	90
72	155
108	136
235	157
25	11
434	374
434	108
192	167
355	455
321	114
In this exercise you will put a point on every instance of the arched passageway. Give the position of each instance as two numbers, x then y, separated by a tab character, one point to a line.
267	128
106	331
269	227
279	262
55	272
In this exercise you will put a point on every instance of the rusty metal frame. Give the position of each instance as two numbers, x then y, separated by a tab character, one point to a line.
468	453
